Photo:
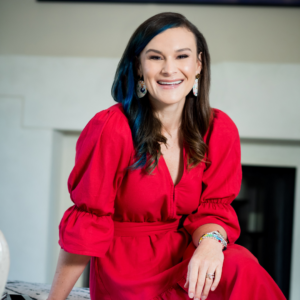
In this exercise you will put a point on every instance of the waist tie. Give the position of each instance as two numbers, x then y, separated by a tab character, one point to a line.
143	228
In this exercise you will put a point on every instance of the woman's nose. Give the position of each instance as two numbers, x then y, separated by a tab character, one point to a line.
169	67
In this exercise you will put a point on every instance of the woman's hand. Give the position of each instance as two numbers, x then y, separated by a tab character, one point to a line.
207	258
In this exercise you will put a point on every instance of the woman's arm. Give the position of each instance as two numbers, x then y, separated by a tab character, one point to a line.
205	229
69	267
221	182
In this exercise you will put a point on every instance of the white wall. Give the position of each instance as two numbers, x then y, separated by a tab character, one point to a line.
263	99
234	33
64	93
25	171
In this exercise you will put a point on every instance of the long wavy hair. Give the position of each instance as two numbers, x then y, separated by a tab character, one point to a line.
145	127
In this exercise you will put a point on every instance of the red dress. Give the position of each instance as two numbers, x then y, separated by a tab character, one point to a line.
138	227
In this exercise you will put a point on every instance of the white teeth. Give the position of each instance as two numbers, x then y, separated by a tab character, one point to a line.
170	83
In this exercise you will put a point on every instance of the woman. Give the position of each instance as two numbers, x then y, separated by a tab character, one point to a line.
154	175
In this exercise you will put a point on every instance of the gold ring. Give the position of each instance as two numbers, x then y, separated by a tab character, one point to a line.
210	276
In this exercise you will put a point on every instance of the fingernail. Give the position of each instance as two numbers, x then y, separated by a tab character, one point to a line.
191	295
213	288
203	297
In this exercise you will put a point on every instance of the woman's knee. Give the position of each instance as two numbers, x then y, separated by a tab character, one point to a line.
239	258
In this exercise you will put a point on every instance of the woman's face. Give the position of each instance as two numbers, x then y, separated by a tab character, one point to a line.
170	57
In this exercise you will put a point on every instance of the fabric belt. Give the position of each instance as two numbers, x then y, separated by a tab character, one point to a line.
143	228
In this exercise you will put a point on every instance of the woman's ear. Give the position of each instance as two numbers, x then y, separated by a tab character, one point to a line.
199	63
137	66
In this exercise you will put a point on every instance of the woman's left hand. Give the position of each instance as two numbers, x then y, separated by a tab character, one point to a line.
208	257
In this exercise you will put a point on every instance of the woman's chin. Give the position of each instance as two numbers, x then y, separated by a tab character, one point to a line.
169	101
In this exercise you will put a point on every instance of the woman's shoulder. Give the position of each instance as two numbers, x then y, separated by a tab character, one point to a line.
114	113
112	120
223	123
110	125
222	119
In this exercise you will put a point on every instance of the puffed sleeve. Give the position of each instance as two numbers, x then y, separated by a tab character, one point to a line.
221	179
102	155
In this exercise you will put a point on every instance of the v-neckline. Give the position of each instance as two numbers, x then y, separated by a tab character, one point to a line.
167	169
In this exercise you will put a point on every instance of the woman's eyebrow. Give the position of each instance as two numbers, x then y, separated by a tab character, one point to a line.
179	50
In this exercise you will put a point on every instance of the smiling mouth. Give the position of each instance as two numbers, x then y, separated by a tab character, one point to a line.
166	83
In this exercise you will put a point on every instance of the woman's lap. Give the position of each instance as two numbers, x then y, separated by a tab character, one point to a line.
244	278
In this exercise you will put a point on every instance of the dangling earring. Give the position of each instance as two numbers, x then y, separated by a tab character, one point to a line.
141	88
195	86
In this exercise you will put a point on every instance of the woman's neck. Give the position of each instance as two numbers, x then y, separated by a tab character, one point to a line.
170	116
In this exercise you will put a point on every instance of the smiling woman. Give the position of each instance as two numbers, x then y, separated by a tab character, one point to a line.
153	182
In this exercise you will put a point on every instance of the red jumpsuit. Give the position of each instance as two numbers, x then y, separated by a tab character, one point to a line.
131	223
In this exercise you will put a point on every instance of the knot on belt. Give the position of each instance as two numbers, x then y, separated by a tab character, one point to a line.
144	228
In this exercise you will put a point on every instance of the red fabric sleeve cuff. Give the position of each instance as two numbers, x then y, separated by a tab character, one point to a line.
224	216
81	232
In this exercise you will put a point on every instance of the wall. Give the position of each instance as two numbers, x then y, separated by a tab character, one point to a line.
233	33
25	186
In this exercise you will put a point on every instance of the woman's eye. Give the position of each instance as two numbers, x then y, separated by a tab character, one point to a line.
154	57
157	57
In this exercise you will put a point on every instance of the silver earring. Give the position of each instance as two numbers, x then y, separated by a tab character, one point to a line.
141	88
195	86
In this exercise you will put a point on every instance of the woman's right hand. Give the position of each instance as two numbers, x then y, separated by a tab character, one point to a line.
69	268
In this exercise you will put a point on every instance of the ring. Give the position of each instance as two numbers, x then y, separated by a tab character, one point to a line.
210	276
